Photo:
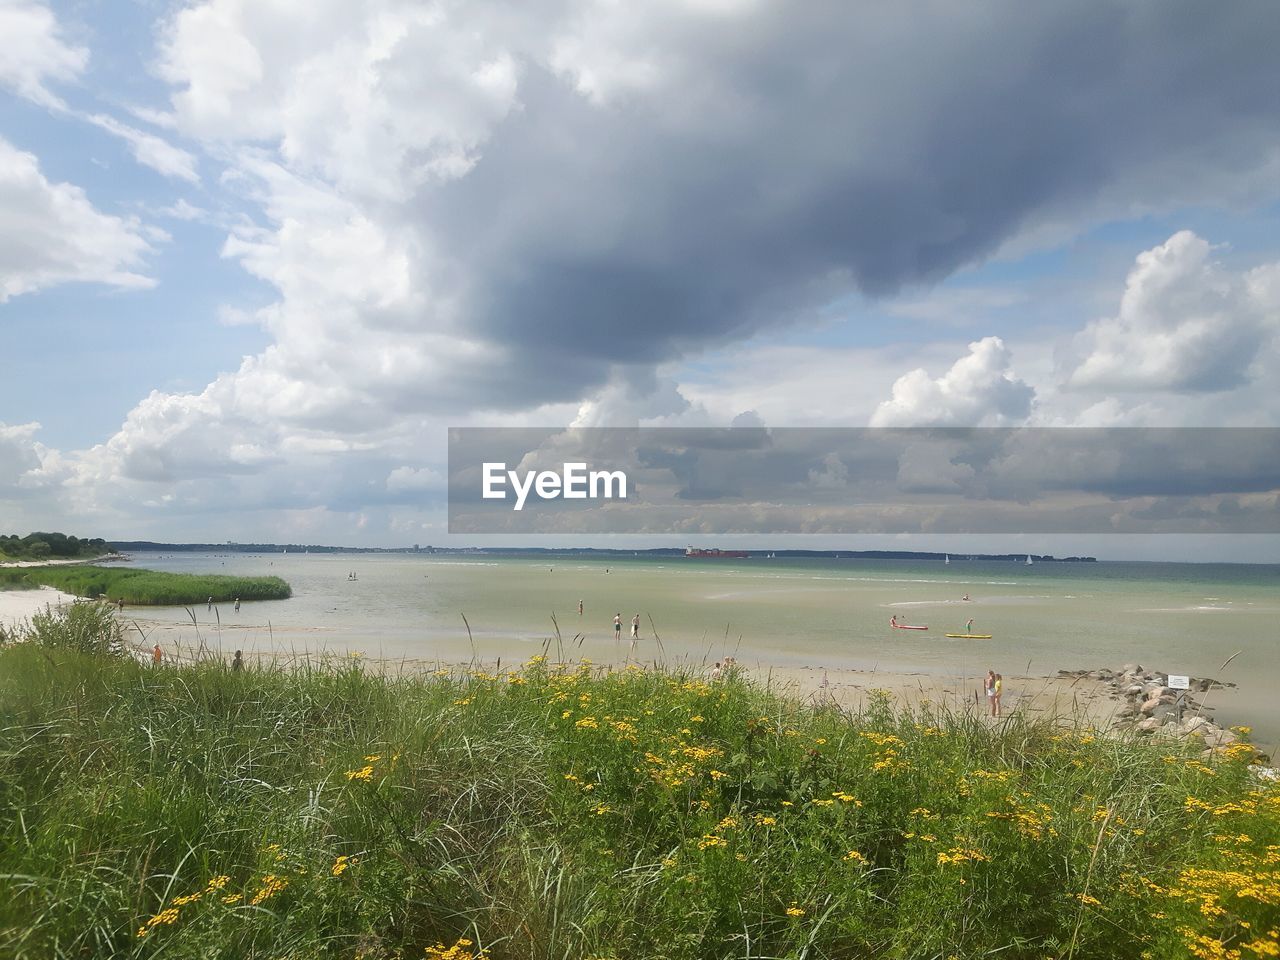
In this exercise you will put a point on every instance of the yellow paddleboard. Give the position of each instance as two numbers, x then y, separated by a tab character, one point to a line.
968	636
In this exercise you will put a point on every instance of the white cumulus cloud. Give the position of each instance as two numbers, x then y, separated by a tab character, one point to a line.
375	97
1186	323
34	54
53	234
978	391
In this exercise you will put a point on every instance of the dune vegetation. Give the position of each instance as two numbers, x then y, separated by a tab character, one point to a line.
147	587
560	812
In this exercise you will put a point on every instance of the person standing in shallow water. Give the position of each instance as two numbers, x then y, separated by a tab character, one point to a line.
617	625
579	608
635	627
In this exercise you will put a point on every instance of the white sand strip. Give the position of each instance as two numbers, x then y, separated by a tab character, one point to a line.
19	605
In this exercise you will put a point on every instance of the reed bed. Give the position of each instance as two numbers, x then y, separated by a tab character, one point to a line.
147	587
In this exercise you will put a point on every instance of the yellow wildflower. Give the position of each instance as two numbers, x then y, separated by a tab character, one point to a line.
461	950
271	885
341	865
167	917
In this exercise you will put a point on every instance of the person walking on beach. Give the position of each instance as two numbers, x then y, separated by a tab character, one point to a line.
210	606
579	608
237	604
617	626
157	655
999	688
990	685
238	663
635	627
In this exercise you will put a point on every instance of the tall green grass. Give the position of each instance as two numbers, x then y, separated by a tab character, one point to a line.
147	587
326	811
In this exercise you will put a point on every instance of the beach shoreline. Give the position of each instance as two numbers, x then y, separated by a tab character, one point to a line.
1081	699
18	606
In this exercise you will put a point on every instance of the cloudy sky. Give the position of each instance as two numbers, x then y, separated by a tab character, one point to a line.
256	256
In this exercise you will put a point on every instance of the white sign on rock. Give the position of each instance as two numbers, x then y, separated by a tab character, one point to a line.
1177	682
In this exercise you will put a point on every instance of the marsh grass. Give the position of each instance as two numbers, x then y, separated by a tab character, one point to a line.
555	812
147	587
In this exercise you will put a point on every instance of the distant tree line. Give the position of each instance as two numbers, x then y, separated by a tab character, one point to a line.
50	546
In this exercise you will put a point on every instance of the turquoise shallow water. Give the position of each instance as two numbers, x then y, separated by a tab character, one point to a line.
1184	618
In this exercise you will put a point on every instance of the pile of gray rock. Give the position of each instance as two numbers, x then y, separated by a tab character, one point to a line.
1150	707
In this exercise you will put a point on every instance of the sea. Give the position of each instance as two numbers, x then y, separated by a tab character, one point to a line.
1203	620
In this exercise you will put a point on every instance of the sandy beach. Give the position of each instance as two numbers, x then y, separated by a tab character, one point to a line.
1074	699
19	605
53	563
1077	701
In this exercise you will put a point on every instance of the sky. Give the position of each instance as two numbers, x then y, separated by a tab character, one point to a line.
256	258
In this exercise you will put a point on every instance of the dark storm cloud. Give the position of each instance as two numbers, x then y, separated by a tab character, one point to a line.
802	151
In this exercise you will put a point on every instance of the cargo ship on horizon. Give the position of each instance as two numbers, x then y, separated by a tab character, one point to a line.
715	554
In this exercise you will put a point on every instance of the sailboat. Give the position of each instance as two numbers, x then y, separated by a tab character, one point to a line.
948	560
1028	559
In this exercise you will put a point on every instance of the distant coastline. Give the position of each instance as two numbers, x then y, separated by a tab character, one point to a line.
754	553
